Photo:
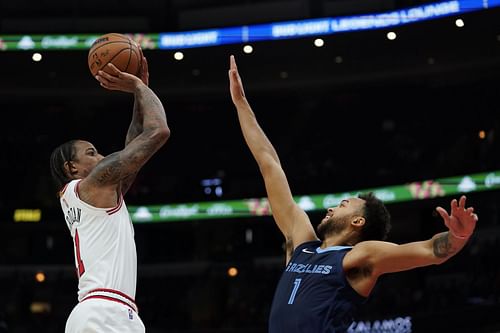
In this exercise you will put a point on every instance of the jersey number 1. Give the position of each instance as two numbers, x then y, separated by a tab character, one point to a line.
296	285
81	267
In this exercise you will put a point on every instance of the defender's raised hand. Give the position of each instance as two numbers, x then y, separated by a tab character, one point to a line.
461	220
235	83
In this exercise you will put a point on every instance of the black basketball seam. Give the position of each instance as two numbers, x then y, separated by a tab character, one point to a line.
110	60
116	54
129	54
93	51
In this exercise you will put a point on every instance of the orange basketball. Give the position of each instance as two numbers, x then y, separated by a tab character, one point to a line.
118	49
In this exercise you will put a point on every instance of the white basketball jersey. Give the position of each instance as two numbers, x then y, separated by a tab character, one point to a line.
104	245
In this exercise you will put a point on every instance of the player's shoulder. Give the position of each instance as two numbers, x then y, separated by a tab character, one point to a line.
371	245
68	187
363	251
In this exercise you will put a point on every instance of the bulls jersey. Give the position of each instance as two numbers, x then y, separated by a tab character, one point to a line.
313	294
104	245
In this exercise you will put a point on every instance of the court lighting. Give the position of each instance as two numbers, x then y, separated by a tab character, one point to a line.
248	49
178	55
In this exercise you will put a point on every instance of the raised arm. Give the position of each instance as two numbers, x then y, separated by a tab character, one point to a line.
379	258
290	218
118	166
135	127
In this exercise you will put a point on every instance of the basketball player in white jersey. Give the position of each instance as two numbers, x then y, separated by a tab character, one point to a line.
91	195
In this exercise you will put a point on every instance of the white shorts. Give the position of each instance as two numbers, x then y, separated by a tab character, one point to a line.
103	316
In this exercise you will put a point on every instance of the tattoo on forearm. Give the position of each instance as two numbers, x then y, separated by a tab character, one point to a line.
133	131
442	246
135	127
152	108
145	101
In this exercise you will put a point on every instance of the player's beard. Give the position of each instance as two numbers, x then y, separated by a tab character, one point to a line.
332	226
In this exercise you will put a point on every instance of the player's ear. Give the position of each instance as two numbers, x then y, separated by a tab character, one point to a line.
69	168
358	221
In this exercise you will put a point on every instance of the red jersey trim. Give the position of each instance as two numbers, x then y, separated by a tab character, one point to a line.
112	291
108	295
117	208
108	298
76	189
109	211
63	189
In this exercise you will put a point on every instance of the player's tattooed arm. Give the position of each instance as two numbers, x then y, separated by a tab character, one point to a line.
151	109
134	130
123	165
444	245
461	222
127	183
135	127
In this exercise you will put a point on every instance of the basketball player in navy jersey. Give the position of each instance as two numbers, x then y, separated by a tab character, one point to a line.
329	274
92	189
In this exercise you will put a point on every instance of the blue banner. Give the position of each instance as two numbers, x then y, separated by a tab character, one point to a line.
321	26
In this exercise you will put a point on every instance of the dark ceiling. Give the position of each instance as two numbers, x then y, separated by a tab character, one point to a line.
56	16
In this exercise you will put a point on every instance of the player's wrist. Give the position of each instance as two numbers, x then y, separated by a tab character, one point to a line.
457	236
138	85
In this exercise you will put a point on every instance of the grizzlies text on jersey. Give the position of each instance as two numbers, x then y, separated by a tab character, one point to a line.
313	294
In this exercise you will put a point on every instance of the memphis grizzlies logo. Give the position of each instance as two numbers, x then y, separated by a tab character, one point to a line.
308	268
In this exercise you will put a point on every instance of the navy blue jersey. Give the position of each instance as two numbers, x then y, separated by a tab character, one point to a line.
313	294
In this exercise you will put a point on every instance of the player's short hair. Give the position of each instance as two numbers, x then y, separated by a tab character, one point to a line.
60	155
377	218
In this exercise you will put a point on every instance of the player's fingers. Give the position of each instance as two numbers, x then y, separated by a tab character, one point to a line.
476	218
115	71
454	204
233	76
230	73
106	83
107	76
444	214
232	63
470	210
462	202
101	79
110	86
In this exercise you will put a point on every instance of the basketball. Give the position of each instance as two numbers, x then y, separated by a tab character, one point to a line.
118	49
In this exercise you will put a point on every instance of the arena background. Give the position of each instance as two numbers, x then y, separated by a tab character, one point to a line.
360	112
